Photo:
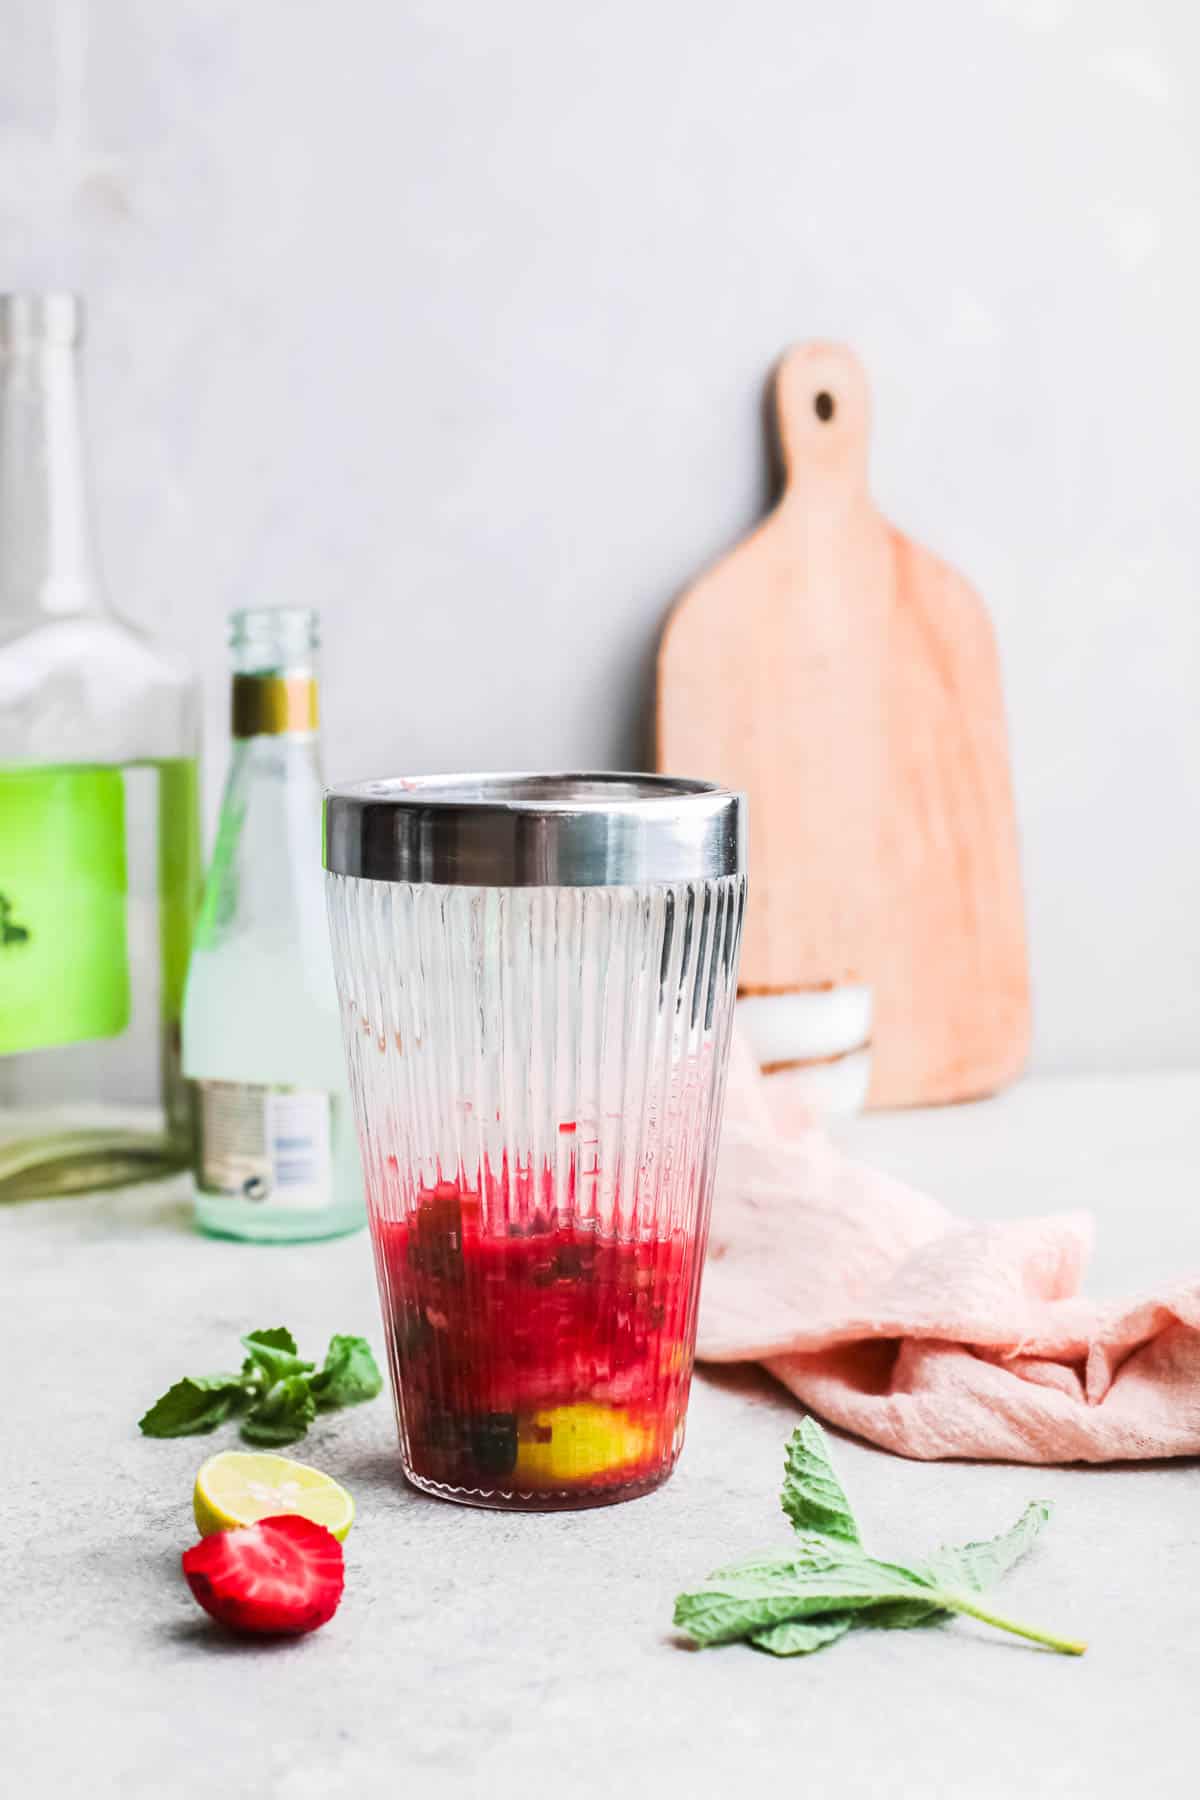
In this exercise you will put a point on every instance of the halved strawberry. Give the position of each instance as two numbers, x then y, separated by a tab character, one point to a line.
282	1576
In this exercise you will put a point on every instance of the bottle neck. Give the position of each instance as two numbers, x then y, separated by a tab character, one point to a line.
48	564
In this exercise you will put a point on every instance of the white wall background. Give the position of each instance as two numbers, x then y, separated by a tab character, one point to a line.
452	318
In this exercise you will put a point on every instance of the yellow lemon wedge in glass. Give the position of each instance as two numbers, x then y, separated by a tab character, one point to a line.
239	1487
577	1443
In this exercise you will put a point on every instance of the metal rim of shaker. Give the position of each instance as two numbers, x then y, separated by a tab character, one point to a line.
558	829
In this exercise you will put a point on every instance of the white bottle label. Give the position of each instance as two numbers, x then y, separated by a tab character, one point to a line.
266	1146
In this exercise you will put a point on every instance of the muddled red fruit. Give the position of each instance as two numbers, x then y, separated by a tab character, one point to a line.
279	1578
536	1353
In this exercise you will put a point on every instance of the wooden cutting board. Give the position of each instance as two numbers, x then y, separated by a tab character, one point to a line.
848	680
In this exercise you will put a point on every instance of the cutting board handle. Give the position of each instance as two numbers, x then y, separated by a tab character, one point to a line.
823	413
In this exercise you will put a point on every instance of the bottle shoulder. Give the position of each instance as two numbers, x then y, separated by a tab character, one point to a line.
91	687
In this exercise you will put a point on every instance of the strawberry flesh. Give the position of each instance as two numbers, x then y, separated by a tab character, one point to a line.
280	1577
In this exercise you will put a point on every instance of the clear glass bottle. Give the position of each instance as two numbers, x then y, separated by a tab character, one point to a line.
99	835
275	1155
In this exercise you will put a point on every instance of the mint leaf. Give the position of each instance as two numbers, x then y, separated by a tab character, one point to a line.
278	1337
901	1615
813	1498
274	1351
283	1414
350	1375
194	1405
973	1567
844	1578
800	1637
754	1599
826	1585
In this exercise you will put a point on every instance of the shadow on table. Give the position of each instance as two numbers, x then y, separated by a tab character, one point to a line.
210	1639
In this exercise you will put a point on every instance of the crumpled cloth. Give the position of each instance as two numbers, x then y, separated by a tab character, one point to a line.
926	1334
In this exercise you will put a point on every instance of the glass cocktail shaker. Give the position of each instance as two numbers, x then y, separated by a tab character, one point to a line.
537	976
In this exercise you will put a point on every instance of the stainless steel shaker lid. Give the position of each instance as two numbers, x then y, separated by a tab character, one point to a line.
570	830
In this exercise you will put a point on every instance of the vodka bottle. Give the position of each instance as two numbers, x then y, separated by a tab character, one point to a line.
99	836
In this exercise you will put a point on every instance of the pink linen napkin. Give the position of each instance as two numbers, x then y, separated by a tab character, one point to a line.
926	1334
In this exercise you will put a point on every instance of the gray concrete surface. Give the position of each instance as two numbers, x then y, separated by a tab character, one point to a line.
477	1653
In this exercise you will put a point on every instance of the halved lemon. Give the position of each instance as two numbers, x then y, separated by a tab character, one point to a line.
239	1487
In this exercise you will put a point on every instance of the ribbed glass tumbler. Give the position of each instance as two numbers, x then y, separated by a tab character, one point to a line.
537	978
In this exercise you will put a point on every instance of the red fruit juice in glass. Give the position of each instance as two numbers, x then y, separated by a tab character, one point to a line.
534	1351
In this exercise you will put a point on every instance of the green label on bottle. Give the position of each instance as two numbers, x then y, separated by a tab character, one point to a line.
64	963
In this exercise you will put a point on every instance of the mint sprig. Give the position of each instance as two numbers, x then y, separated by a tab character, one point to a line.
277	1393
826	1585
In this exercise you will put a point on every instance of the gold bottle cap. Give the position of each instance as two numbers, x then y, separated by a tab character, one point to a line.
265	705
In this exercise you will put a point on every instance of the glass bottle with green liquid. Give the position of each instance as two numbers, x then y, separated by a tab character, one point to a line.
100	859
